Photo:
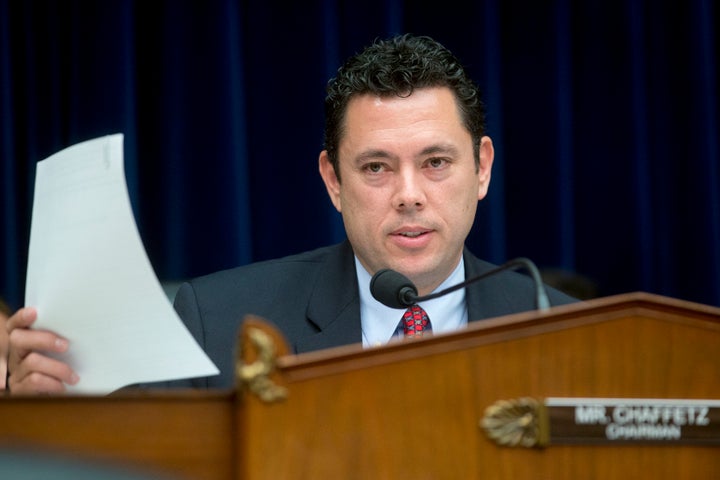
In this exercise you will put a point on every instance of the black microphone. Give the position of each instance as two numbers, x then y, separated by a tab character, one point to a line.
395	290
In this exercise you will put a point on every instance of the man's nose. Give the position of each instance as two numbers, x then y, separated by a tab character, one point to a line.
409	192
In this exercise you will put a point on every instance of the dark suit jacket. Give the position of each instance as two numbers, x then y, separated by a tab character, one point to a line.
313	299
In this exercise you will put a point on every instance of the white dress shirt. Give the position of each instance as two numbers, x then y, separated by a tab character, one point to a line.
380	323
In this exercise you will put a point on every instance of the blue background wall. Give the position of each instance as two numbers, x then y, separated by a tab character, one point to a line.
604	115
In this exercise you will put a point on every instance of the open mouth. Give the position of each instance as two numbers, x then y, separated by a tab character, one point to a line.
411	234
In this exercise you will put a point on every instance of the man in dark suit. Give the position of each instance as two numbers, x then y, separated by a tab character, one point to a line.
406	161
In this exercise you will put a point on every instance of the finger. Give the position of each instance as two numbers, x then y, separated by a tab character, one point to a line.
3	373
36	370
24	340
23	318
35	383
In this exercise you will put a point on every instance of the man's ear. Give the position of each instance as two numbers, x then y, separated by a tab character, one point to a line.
327	172
487	155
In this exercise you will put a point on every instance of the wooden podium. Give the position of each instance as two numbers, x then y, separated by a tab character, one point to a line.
428	408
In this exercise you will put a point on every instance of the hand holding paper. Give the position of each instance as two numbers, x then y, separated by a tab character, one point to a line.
91	281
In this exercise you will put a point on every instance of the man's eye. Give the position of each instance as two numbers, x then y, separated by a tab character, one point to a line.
436	162
374	167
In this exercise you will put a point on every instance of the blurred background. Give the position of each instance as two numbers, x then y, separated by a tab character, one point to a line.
604	115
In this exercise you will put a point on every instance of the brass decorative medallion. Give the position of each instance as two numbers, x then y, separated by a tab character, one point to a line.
516	423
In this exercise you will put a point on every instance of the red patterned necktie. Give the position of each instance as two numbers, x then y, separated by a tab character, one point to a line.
416	322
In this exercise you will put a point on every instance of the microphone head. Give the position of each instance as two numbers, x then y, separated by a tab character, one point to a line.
393	289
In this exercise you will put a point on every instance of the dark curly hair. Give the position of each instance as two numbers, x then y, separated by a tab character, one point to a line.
397	66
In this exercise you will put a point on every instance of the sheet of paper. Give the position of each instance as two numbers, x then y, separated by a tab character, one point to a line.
91	280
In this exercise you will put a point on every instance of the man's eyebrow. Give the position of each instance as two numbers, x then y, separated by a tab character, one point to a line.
372	154
446	148
379	154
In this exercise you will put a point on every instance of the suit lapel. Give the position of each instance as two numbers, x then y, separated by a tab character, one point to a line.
334	306
502	294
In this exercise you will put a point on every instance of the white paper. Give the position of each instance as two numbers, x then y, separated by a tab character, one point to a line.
91	281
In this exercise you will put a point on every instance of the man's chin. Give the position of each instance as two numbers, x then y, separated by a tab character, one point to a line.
420	275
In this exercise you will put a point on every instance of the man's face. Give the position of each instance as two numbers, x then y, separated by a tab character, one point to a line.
410	186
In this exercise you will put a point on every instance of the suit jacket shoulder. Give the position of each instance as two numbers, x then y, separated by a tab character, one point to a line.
311	297
504	293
